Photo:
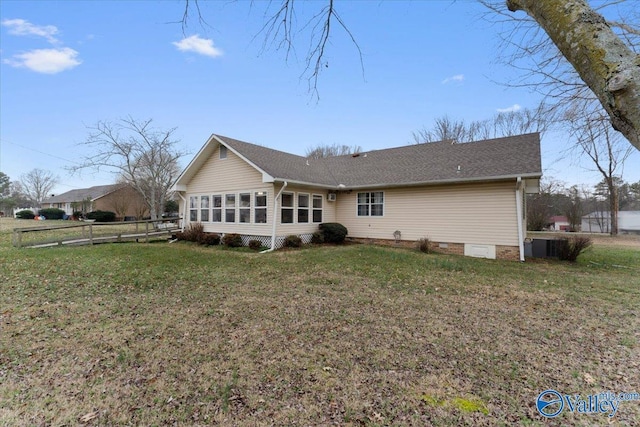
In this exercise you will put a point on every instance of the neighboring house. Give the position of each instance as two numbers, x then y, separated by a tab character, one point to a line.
600	222
466	198
559	223
122	199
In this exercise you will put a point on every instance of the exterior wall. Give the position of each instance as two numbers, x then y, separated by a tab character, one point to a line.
483	213
125	202
328	211
229	176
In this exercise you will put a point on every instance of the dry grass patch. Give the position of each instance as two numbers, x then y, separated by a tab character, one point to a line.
163	334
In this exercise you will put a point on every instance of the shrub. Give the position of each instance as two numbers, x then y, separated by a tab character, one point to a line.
255	244
423	245
102	216
179	235
232	240
570	248
195	232
78	214
317	237
293	241
333	232
25	215
52	213
209	239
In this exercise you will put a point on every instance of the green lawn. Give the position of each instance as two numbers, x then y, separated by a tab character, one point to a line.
159	334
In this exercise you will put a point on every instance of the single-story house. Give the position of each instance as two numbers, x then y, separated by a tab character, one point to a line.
466	198
559	223
600	222
122	199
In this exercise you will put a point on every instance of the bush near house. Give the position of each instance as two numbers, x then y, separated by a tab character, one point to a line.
232	240
333	232
255	244
317	237
52	213
102	216
25	215
570	248
293	241
209	239
423	245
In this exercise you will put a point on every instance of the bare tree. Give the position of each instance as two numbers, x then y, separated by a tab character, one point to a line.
140	155
321	151
599	56
502	124
568	51
595	138
37	184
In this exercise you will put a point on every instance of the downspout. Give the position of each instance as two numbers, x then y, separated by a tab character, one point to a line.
519	215
275	219
184	210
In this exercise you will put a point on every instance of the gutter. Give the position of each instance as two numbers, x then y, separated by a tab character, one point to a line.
519	217
275	210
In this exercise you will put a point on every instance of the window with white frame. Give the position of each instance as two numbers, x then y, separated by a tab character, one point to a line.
244	211
303	208
317	207
286	210
204	208
193	208
216	208
371	203
260	210
229	208
223	152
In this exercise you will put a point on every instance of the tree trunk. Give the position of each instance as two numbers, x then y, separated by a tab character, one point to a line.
602	60
613	207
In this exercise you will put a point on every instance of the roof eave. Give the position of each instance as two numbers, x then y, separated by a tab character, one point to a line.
446	181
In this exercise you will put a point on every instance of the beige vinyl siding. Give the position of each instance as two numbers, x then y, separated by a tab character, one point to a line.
328	211
473	213
230	176
231	173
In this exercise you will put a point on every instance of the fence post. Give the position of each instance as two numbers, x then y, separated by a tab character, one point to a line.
90	233
146	232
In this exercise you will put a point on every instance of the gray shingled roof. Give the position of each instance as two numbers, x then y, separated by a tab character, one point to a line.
437	162
81	194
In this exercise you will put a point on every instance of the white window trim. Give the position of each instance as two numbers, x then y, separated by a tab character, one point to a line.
235	208
322	197
211	197
308	208
293	208
384	210
226	152
255	206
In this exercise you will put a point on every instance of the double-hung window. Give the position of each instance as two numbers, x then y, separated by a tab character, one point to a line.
317	208
245	207
260	210
193	208
286	211
371	203
216	208
229	208
303	208
204	208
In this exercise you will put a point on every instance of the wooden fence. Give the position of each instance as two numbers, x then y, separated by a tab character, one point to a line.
90	233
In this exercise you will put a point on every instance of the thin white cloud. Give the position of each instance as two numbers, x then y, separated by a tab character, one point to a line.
21	27
46	61
512	109
458	78
198	45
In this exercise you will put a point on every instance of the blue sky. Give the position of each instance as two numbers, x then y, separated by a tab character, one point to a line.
65	65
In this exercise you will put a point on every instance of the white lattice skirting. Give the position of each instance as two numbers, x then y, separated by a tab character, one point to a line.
266	240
